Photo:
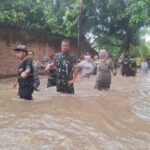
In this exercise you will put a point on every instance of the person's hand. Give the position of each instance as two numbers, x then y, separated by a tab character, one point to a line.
24	75
50	67
15	85
47	68
71	82
115	73
43	72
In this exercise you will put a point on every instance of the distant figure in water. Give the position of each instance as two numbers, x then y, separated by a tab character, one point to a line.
25	73
133	66
94	62
86	67
125	70
144	66
104	68
36	66
51	72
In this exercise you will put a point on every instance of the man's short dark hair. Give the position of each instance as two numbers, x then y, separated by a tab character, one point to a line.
66	41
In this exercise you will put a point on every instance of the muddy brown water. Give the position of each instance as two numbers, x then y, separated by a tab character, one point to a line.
118	119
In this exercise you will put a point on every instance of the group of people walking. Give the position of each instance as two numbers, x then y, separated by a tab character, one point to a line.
63	70
129	66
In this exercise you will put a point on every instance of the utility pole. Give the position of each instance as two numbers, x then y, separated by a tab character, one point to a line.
80	6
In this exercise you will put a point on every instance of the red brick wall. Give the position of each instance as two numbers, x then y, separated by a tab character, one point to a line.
8	63
10	37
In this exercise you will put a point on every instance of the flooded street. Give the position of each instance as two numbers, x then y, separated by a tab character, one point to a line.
118	119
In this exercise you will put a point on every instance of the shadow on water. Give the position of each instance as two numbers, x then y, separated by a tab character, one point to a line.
117	119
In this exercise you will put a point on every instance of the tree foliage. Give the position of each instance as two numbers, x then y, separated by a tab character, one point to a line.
113	24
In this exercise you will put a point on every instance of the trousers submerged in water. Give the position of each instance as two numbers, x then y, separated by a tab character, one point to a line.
26	92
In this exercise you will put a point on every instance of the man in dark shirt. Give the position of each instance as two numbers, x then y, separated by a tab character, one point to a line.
126	66
25	73
133	66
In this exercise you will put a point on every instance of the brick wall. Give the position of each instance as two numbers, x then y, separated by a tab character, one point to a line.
8	61
39	42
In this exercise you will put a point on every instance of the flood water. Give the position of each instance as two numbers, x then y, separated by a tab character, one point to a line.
118	119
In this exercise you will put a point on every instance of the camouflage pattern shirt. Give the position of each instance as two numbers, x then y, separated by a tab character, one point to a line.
65	64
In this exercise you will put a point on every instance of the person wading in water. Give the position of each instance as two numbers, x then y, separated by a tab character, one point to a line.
25	73
65	65
104	67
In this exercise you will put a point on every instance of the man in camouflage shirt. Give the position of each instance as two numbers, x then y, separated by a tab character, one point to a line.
65	65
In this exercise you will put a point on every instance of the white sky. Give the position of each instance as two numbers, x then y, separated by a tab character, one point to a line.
147	38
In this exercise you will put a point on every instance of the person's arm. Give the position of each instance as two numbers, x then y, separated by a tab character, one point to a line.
41	66
75	74
113	69
27	72
50	66
115	72
75	71
15	83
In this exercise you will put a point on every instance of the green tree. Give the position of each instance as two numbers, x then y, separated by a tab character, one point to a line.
113	24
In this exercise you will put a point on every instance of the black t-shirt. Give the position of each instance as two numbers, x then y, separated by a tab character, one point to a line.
133	63
29	81
125	63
